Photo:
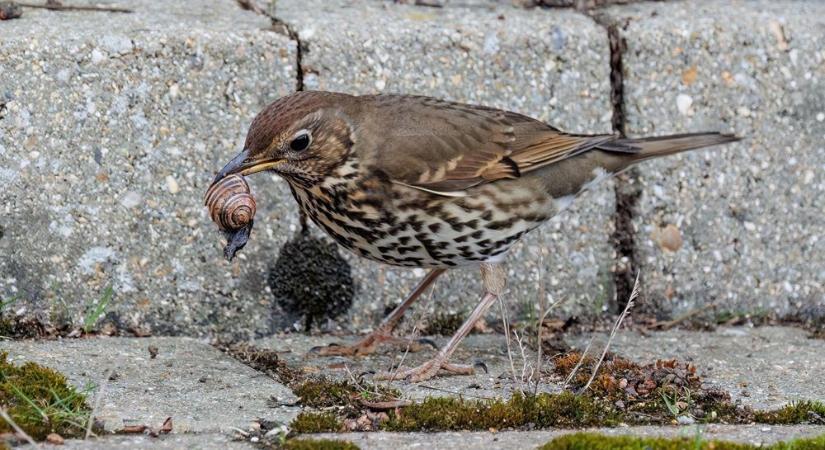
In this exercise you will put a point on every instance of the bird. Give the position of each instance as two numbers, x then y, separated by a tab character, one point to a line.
420	182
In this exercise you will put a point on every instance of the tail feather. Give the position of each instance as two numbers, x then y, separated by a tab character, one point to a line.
654	147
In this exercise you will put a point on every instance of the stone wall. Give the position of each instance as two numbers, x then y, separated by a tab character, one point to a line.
112	125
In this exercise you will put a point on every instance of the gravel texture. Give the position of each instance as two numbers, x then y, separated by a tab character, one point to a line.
199	387
749	214
553	65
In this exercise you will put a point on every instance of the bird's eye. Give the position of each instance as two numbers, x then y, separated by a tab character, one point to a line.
300	143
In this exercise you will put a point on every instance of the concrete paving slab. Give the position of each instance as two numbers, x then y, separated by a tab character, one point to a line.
202	389
765	367
490	349
517	440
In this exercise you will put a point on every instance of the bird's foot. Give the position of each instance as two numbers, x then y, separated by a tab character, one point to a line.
369	344
430	369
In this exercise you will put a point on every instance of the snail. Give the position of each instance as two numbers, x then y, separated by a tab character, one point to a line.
232	207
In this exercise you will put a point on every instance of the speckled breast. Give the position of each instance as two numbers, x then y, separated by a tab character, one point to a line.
404	226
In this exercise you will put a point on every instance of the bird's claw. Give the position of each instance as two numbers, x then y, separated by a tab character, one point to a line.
319	349
426	371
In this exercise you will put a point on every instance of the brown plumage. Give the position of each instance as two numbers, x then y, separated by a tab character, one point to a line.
420	182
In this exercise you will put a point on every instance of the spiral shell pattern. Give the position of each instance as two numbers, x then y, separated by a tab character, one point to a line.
230	203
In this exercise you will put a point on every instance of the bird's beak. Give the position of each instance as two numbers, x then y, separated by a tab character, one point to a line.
243	164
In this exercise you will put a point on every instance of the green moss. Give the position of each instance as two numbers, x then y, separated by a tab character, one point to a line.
793	413
540	411
41	401
594	441
323	392
318	444
315	422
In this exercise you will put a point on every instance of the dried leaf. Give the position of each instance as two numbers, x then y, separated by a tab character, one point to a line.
134	429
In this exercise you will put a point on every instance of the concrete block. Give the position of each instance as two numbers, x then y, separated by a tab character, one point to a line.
750	215
111	127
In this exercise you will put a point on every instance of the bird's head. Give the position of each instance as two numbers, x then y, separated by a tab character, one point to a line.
303	137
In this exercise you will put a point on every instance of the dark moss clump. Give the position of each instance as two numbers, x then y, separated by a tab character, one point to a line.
316	422
541	411
41	401
794	413
311	279
594	441
443	324
323	392
21	328
318	444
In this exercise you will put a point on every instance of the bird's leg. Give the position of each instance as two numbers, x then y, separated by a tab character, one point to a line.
494	279
383	333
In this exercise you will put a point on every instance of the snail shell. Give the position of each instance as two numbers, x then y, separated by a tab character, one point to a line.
230	203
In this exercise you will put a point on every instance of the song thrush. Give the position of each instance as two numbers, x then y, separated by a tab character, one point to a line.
419	182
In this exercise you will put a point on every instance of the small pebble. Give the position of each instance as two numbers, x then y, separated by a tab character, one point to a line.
172	185
683	103
55	439
685	420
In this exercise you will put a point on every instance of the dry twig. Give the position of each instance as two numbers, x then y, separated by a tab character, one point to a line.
630	301
98	396
58	6
506	323
578	365
666	325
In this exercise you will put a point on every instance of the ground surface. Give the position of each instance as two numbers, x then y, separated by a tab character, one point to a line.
210	396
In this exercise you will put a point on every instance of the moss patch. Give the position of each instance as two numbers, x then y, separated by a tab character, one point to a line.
541	411
41	401
794	413
323	392
594	441
318	444
655	393
623	392
316	422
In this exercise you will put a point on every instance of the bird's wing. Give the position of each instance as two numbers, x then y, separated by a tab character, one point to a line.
445	147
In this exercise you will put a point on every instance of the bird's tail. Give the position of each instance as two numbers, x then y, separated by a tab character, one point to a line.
654	147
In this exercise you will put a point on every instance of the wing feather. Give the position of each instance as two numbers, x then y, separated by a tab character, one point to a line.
444	147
